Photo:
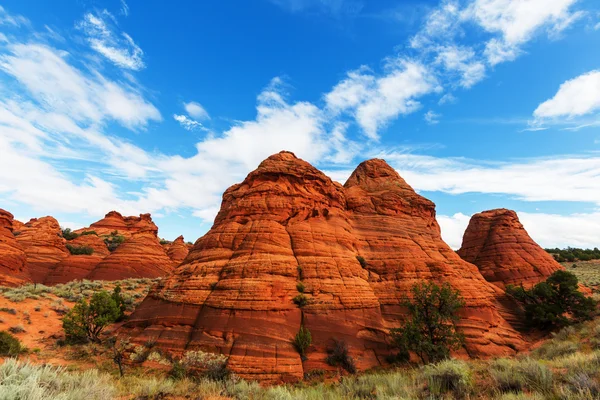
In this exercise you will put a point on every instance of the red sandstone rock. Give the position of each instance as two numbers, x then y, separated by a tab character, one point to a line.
77	267
17	225
114	221
44	246
498	244
13	270
288	222
140	256
178	250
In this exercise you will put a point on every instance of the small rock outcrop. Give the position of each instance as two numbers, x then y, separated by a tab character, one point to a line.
114	221
290	247
178	250
140	256
13	268
44	246
499	245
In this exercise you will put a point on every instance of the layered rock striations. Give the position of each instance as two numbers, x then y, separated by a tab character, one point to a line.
499	245
356	250
44	246
178	250
140	256
13	268
114	221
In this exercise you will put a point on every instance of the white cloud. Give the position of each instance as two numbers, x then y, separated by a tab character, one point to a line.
104	37
195	110
333	7
516	22
463	61
453	228
575	98
12	19
124	8
448	98
188	123
431	117
375	100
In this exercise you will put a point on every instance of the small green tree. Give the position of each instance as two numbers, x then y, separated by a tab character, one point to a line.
68	234
10	345
120	302
555	302
86	321
302	341
430	331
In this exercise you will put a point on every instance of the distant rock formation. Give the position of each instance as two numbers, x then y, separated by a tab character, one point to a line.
353	251
44	246
178	250
13	268
499	245
140	256
114	221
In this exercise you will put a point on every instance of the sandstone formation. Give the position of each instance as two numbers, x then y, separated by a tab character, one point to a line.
114	221
178	250
140	256
357	249
44	246
13	269
77	267
498	244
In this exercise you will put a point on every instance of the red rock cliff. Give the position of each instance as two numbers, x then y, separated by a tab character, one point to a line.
13	269
499	245
114	221
287	222
178	250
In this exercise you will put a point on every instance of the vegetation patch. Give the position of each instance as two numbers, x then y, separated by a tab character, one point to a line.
338	356
300	300
302	341
571	254
10	346
80	250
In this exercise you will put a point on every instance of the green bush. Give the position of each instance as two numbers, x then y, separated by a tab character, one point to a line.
80	250
554	303
361	260
338	356
302	341
68	234
430	331
86	321
506	376
89	233
300	287
300	300
114	240
10	346
449	376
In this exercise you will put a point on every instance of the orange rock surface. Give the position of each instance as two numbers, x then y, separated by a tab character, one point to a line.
140	256
178	250
114	221
77	267
44	246
287	223
499	245
13	269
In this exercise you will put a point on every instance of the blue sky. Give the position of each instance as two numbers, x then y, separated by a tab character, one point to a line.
159	107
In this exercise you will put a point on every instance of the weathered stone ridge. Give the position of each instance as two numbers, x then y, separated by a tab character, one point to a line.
288	223
178	251
499	245
13	268
114	221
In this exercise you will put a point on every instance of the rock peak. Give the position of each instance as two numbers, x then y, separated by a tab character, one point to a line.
375	169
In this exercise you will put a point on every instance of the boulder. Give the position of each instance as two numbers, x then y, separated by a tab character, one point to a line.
178	250
126	226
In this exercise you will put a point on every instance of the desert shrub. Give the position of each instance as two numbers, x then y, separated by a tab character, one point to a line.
361	260
164	241
507	376
555	302
120	301
68	234
300	287
338	356
9	310
80	250
16	329
537	376
86	321
10	346
29	291
302	341
198	364
449	376
554	349
113	241
45	382
84	233
300	300
430	331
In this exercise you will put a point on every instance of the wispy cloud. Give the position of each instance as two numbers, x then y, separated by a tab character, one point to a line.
124	8
431	117
12	19
104	37
336	8
196	110
188	123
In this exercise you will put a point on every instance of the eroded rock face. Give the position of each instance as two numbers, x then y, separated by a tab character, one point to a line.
178	250
114	221
77	267
13	269
499	245
289	223
44	246
140	256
